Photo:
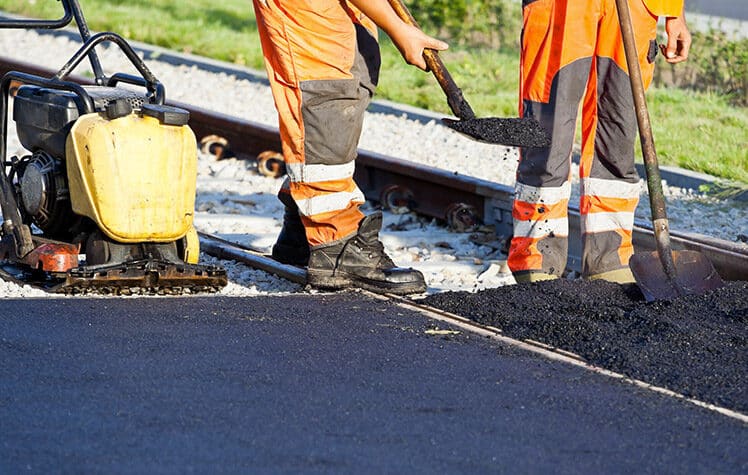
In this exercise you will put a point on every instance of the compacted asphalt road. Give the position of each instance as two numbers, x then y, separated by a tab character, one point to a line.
340	383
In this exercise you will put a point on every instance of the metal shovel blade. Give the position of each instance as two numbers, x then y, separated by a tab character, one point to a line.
513	132
694	275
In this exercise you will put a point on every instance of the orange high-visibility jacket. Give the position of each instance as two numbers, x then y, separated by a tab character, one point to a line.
665	7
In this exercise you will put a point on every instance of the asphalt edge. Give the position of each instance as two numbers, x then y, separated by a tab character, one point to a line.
551	353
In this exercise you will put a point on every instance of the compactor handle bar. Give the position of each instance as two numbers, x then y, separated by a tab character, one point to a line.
72	10
148	80
45	24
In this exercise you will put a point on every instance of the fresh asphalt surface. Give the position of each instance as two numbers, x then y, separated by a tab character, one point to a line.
339	383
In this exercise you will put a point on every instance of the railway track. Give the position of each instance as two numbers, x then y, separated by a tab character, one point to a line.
458	200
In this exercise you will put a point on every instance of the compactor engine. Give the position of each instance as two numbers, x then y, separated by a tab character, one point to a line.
104	199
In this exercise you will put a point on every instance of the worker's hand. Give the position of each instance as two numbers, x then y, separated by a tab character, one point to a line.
411	42
409	39
678	40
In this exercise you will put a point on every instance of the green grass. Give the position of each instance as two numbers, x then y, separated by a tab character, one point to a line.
696	131
223	29
700	132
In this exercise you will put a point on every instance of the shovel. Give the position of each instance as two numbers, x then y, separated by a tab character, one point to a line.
515	132
663	274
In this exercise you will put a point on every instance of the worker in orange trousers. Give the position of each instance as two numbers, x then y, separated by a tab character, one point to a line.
572	53
322	58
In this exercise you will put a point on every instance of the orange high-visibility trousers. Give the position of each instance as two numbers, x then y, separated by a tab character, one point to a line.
572	53
322	60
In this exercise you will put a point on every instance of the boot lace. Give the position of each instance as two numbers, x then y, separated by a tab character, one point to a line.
375	250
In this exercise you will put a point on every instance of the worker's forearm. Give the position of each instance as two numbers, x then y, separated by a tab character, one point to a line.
410	40
380	12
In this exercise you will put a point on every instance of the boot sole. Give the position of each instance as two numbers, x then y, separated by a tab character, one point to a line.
341	280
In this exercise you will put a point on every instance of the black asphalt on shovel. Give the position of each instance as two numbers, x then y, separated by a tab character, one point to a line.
515	132
663	274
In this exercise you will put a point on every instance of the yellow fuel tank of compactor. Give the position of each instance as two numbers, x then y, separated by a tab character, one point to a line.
134	176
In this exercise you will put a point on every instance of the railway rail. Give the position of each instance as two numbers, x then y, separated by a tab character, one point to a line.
459	200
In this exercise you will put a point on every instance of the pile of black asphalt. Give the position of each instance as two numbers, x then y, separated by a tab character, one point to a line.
516	132
694	345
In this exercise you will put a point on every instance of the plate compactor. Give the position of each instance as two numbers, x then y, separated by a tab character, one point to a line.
102	199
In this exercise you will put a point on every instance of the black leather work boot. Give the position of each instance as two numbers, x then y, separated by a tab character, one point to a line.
291	247
360	261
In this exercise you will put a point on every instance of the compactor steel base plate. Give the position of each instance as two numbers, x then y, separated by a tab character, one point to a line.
142	277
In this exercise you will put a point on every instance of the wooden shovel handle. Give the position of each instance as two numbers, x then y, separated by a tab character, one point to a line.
654	180
455	99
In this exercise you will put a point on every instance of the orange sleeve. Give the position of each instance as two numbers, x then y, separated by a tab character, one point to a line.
664	7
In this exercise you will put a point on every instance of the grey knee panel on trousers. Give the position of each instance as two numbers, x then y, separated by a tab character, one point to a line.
339	105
